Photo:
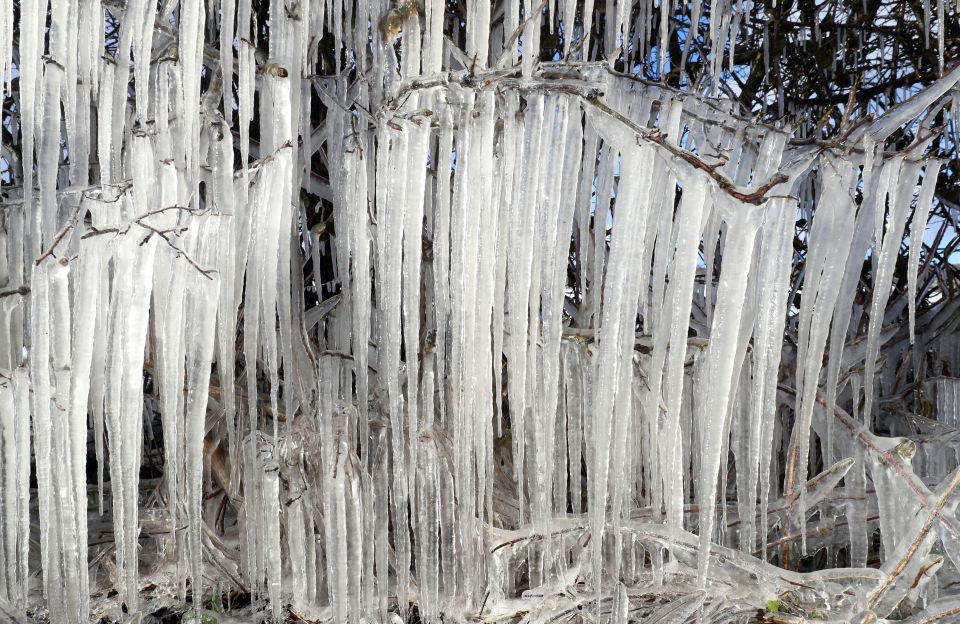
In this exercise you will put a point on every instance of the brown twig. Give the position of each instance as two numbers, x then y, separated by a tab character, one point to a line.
754	197
58	238
936	617
22	291
180	252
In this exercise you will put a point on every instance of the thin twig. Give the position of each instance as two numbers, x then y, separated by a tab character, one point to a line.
755	197
180	252
22	291
60	235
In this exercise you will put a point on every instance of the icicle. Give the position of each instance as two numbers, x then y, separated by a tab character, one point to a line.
270	492
230	234
428	499
43	435
14	486
904	177
689	225
354	541
522	217
532	10
721	371
511	24
773	284
70	442
190	49
489	213
48	156
132	288
433	37
941	35
441	253
245	88
478	32
917	229
412	214
32	22
201	310
6	45
653	315
168	315
569	16
390	198
86	304
141	18
506	183
228	11
616	327
354	181
830	239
